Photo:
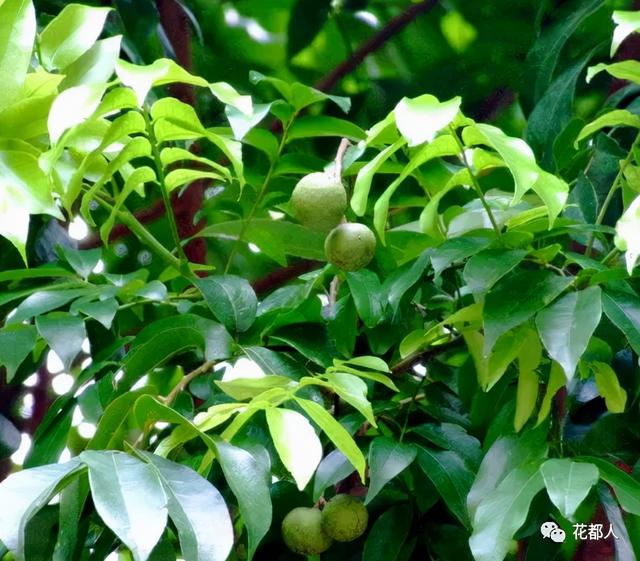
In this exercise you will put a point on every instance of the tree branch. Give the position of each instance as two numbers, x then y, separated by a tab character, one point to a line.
395	26
424	356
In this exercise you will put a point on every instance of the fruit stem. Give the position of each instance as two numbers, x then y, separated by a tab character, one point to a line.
339	159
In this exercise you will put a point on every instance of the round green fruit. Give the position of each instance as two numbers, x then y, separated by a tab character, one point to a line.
350	246
344	518
319	201
302	531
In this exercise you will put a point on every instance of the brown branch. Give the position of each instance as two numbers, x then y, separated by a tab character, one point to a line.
395	26
424	356
187	379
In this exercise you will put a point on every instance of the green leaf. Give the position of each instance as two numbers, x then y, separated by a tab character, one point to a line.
16	342
516	298
421	118
451	436
27	492
388	534
368	296
70	34
626	488
17	33
241	123
296	442
526	397
179	177
625	70
626	24
195	506
322	125
248	388
103	311
64	333
515	152
365	177
567	325
306	19
228	95
82	261
609	387
231	300
545	53
501	513
354	391
557	380
615	118
450	476
276	238
9	438
160	73
554	192
568	483
623	310
96	65
129	497
387	459
248	482
457	249
72	107
333	468
628	234
335	432
72	501
486	268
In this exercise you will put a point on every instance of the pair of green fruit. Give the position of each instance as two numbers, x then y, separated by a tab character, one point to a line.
309	531
319	201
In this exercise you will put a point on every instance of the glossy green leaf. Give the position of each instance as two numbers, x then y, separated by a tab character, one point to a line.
72	501
228	95
323	125
609	387
626	24
64	333
387	459
82	261
623	309
70	34
96	65
195	507
17	34
72	107
16	342
231	300
248	388
526	397
27	492
333	468
368	296
567	325
554	192
421	118
388	534
129	498
502	512
486	268
335	432
615	118
248	481
515	152
354	391
557	380
626	487
450	476
568	483
625	70
297	444
516	298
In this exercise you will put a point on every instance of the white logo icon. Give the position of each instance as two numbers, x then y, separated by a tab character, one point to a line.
552	531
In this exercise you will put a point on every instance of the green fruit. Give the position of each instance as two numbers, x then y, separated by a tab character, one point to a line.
350	246
319	201
302	531
344	518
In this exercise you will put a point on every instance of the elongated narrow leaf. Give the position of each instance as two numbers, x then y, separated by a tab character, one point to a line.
623	310
197	509
626	24
501	513
388	534
557	380
27	492
129	498
566	326
626	487
336	433
568	483
354	391
297	444
450	476
249	484
387	459
609	387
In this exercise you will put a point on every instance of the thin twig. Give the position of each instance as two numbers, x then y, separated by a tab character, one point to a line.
422	356
187	379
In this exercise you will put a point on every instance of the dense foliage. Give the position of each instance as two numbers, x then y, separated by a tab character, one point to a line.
469	376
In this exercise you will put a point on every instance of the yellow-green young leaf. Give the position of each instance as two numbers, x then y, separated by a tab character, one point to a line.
335	432
228	95
17	33
553	191
514	151
96	65
625	70
354	391
248	388
70	34
627	22
609	387
160	73
421	118
72	107
179	177
171	155
458	32
365	177
297	444
526	398
444	145
615	118
557	380
628	234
